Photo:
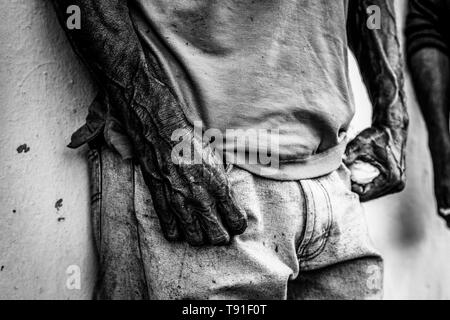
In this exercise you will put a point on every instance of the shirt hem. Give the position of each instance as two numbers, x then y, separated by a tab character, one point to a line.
312	167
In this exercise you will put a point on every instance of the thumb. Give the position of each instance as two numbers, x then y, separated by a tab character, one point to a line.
350	156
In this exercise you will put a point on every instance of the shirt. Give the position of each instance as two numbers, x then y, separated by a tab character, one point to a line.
242	68
274	65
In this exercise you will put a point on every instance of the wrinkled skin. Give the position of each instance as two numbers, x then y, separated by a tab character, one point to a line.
378	53
376	147
193	202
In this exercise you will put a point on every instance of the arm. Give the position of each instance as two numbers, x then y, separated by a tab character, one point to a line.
429	65
191	200
378	53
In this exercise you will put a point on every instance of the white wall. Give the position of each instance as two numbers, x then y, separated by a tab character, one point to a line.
43	97
44	93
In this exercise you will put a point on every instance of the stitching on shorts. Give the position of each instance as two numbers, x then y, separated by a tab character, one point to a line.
309	209
325	235
299	242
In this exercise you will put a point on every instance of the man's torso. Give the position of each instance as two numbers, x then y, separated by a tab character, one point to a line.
276	65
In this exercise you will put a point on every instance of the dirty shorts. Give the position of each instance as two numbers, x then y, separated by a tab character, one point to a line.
305	240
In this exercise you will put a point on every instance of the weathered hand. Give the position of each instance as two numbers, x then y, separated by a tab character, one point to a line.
378	52
377	147
194	202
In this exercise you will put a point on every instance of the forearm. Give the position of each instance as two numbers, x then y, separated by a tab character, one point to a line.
378	53
106	41
109	46
377	50
430	72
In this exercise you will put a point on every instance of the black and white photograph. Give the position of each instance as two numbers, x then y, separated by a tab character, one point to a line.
230	150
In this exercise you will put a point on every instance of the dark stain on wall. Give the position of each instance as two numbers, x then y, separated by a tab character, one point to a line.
23	148
58	204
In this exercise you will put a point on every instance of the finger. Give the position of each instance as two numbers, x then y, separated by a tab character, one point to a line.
358	189
353	151
212	225
350	157
390	181
377	188
233	215
370	190
190	226
204	208
216	182
160	198
164	212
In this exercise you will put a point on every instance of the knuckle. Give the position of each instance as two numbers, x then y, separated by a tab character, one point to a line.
401	185
239	225
171	235
221	239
